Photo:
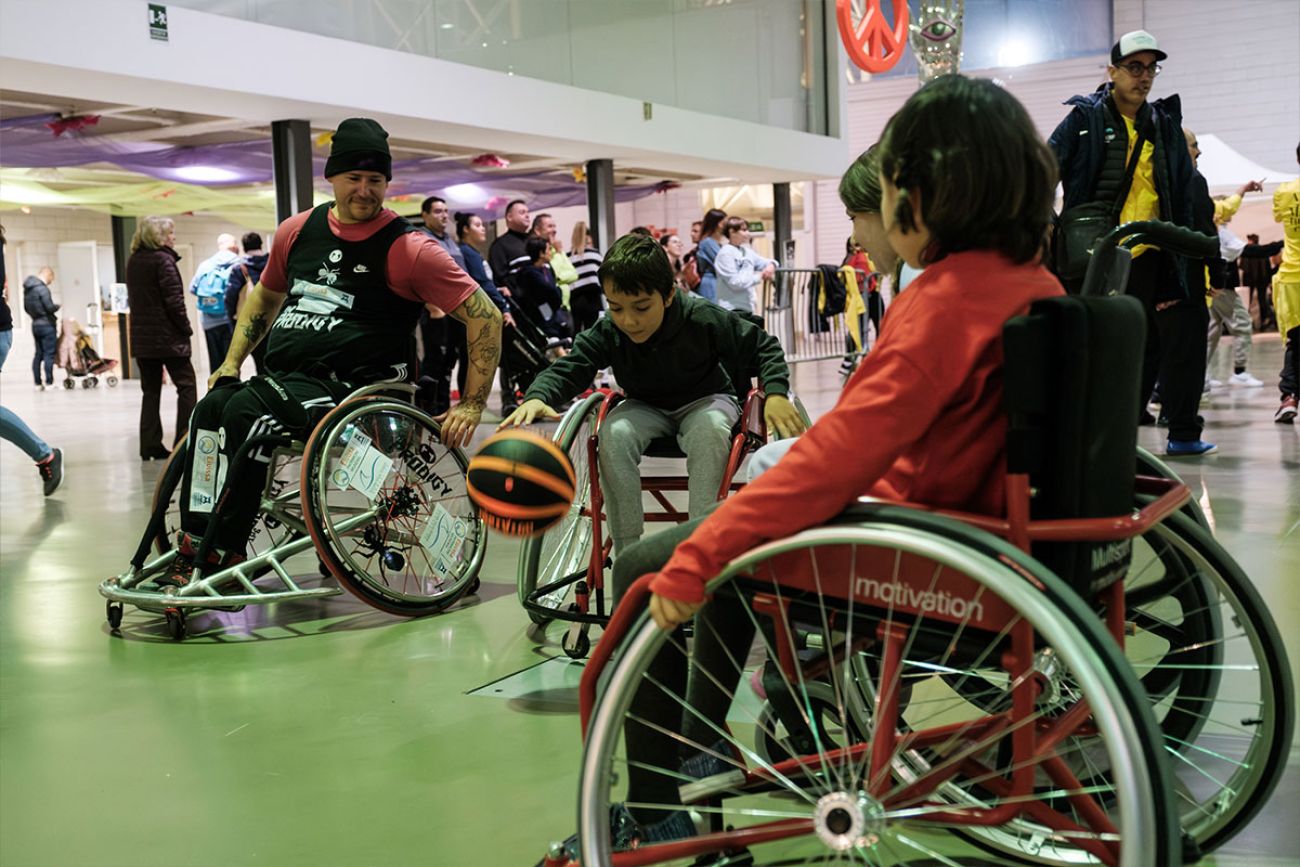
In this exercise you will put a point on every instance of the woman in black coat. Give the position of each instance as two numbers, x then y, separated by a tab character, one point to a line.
160	331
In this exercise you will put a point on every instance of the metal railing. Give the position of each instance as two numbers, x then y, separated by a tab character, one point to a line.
790	314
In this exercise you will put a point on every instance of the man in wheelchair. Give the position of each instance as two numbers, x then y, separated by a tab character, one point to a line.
684	364
338	304
967	194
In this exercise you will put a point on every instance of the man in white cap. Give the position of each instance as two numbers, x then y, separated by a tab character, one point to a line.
1128	157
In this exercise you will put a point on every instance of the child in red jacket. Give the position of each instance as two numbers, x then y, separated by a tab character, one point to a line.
966	193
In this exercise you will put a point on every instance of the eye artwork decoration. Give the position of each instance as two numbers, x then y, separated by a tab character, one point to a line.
936	37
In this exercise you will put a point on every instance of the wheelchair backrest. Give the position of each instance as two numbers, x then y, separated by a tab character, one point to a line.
1072	371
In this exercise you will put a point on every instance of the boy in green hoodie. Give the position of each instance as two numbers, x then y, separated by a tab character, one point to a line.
684	364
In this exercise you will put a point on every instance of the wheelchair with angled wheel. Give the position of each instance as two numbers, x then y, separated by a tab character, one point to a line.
1087	678
561	573
365	493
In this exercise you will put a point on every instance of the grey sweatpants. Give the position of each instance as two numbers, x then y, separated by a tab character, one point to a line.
1227	309
703	429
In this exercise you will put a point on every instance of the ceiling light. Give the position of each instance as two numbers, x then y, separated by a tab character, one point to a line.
446	25
205	174
466	192
1014	52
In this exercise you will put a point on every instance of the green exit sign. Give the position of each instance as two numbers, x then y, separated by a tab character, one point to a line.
755	225
158	22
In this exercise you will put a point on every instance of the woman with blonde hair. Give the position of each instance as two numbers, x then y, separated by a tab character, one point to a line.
159	330
586	300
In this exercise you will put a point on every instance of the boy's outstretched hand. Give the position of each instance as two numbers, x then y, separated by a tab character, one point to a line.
527	413
781	416
668	613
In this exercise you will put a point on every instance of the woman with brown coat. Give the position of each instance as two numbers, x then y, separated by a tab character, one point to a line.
160	331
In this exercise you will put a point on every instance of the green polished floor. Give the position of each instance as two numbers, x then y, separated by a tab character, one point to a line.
327	733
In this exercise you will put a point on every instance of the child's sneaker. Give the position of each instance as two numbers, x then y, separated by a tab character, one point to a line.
1244	380
710	773
625	834
51	470
1286	411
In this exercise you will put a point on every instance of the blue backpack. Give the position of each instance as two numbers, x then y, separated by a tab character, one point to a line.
210	288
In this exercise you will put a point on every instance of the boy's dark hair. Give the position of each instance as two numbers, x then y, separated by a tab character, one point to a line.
427	204
986	179
860	186
733	224
535	247
251	241
641	230
510	206
637	265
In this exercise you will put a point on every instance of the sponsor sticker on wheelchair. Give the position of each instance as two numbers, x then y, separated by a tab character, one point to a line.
443	537
208	470
362	466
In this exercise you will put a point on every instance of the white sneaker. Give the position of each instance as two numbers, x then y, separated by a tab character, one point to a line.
40	387
1244	380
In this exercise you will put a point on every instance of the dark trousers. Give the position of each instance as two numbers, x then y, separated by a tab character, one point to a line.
182	374
585	305
218	338
724	631
47	341
1263	299
1175	351
444	351
1289	378
222	423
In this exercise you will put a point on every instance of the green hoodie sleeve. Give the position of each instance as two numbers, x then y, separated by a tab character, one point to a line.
752	353
569	376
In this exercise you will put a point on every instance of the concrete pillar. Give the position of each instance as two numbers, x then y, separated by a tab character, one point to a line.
783	228
600	203
123	229
291	149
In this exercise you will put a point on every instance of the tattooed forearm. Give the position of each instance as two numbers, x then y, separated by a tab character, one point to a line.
255	328
483	340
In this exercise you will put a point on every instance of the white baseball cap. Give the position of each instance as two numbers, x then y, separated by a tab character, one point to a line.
1133	42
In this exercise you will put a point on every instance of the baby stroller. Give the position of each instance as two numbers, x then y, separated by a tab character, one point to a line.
527	350
80	361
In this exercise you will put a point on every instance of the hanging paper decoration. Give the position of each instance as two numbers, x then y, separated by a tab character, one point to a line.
324	140
491	161
665	186
74	124
872	44
936	37
496	202
580	174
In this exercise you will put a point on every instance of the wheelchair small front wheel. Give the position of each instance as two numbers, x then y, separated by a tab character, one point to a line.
387	506
113	613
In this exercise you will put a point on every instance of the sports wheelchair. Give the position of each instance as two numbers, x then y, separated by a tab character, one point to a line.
368	488
1088	679
575	553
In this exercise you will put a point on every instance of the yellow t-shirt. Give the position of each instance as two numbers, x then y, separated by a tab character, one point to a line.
1286	210
1143	203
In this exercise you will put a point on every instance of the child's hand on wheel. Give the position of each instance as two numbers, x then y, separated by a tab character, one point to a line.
528	412
669	613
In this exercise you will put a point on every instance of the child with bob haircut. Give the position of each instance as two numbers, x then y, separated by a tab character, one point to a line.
683	363
966	189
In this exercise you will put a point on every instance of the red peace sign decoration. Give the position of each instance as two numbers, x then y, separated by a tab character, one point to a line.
872	44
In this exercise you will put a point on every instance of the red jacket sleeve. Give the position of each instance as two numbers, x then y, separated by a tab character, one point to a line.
891	397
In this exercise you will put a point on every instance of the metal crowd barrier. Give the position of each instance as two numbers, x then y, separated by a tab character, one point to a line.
790	314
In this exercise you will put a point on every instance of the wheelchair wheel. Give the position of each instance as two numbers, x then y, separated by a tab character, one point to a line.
1209	654
932	598
563	551
387	507
1150	465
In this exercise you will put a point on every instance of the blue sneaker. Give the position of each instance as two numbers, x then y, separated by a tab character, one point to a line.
1189	448
625	834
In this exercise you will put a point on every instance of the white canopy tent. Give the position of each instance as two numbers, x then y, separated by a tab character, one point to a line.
1225	170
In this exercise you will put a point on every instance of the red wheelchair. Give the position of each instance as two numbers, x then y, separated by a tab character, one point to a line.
1087	679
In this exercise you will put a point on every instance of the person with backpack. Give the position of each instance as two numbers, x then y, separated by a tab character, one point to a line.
209	287
247	273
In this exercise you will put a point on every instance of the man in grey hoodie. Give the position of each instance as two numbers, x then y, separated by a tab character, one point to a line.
40	305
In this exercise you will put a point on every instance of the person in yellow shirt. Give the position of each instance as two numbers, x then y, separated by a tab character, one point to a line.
1116	148
1286	294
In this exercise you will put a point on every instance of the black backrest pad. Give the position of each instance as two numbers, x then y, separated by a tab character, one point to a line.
1072	370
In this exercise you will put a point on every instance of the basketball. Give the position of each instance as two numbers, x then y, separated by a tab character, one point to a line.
521	482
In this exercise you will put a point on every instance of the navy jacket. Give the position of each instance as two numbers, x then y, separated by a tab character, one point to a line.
1080	147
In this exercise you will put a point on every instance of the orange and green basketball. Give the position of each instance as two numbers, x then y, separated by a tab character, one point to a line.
522	483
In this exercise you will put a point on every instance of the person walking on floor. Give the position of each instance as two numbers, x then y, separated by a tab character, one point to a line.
160	331
246	274
1286	294
209	286
49	461
39	304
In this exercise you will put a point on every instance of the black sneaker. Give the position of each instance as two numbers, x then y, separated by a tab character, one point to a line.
51	470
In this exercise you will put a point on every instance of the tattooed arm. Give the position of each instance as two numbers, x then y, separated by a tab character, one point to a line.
256	314
482	322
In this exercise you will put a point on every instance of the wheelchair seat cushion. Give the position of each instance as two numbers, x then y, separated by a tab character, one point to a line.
1072	370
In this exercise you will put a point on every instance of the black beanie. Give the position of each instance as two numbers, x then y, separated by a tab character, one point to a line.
359	144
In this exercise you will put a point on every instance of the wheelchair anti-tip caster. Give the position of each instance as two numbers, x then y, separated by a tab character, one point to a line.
175	623
576	644
69	384
112	381
113	611
474	587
